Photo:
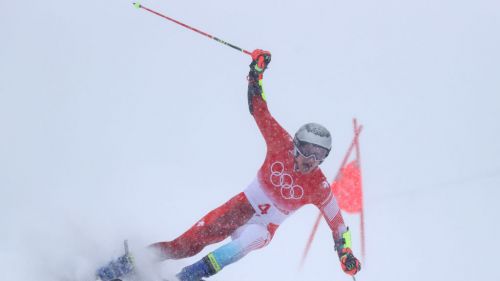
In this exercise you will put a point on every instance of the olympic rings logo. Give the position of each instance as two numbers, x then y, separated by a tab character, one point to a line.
285	182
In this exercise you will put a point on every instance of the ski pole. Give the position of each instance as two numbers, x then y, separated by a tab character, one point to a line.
139	6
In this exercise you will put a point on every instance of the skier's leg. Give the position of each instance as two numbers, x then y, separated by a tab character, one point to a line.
212	228
246	239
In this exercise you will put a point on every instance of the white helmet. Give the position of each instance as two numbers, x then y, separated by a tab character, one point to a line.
315	134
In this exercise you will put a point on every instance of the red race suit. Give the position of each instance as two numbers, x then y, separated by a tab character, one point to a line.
283	187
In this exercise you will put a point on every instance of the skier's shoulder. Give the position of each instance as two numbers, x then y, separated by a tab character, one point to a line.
280	143
322	193
319	179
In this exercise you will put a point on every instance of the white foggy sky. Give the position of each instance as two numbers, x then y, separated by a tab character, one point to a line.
113	119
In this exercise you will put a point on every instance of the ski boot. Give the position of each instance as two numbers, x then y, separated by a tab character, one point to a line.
203	268
116	269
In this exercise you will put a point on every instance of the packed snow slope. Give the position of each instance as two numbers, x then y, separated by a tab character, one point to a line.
116	124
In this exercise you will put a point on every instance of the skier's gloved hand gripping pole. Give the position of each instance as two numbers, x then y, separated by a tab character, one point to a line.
139	6
350	264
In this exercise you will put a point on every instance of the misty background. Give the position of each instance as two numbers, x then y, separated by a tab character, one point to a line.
117	124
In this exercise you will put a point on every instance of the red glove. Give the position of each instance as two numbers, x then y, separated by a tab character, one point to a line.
350	264
260	60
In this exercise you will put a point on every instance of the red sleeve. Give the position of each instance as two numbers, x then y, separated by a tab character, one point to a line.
275	136
331	212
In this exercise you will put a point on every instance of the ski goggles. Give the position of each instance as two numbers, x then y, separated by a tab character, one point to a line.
311	151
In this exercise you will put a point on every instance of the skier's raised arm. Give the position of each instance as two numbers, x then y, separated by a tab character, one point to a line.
269	127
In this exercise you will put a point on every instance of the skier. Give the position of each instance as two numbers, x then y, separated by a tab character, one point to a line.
289	179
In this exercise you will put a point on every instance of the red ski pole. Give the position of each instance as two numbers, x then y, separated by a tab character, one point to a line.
139	6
